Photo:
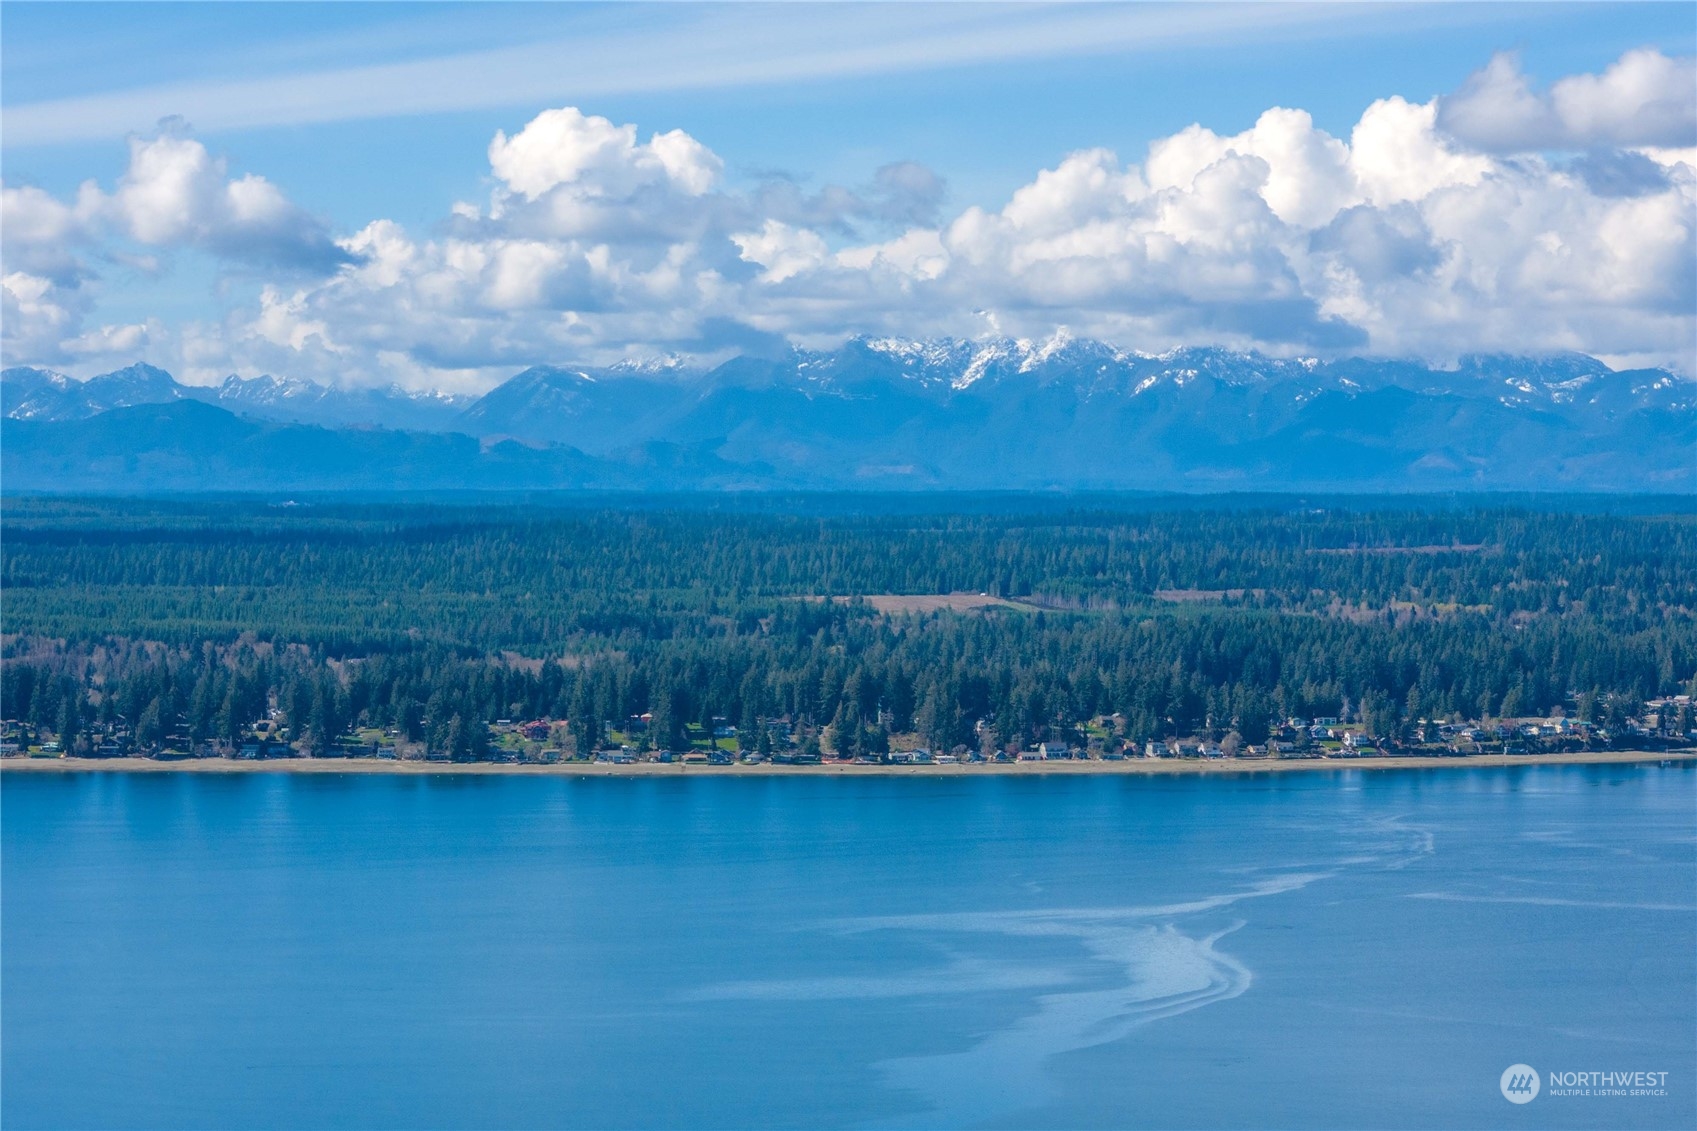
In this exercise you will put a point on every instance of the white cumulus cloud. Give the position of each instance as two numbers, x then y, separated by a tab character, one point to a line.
1644	98
1433	229
566	147
173	194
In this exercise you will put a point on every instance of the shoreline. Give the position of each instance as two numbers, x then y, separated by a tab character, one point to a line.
1130	766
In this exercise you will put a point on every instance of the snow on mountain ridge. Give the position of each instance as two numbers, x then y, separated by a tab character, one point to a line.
943	366
266	388
667	363
980	365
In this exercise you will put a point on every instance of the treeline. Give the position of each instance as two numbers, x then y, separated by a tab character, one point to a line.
1031	676
358	580
435	621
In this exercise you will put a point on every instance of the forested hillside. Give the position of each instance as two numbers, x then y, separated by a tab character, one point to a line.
191	620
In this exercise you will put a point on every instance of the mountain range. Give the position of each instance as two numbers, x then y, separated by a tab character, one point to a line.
881	413
40	394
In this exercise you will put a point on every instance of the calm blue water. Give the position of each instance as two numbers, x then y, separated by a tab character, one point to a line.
1351	949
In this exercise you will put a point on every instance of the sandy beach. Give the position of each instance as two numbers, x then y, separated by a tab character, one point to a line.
679	769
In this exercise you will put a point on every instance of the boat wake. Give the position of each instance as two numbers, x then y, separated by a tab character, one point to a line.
1111	971
1166	973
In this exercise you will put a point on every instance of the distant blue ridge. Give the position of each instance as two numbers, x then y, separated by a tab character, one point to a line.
881	414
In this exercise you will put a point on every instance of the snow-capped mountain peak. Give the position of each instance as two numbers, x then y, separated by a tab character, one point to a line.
944	370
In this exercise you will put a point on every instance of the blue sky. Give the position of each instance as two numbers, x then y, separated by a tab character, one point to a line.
355	113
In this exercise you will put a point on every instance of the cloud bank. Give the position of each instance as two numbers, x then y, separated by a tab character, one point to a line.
1501	218
1644	99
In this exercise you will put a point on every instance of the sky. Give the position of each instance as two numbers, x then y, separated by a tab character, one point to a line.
438	195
